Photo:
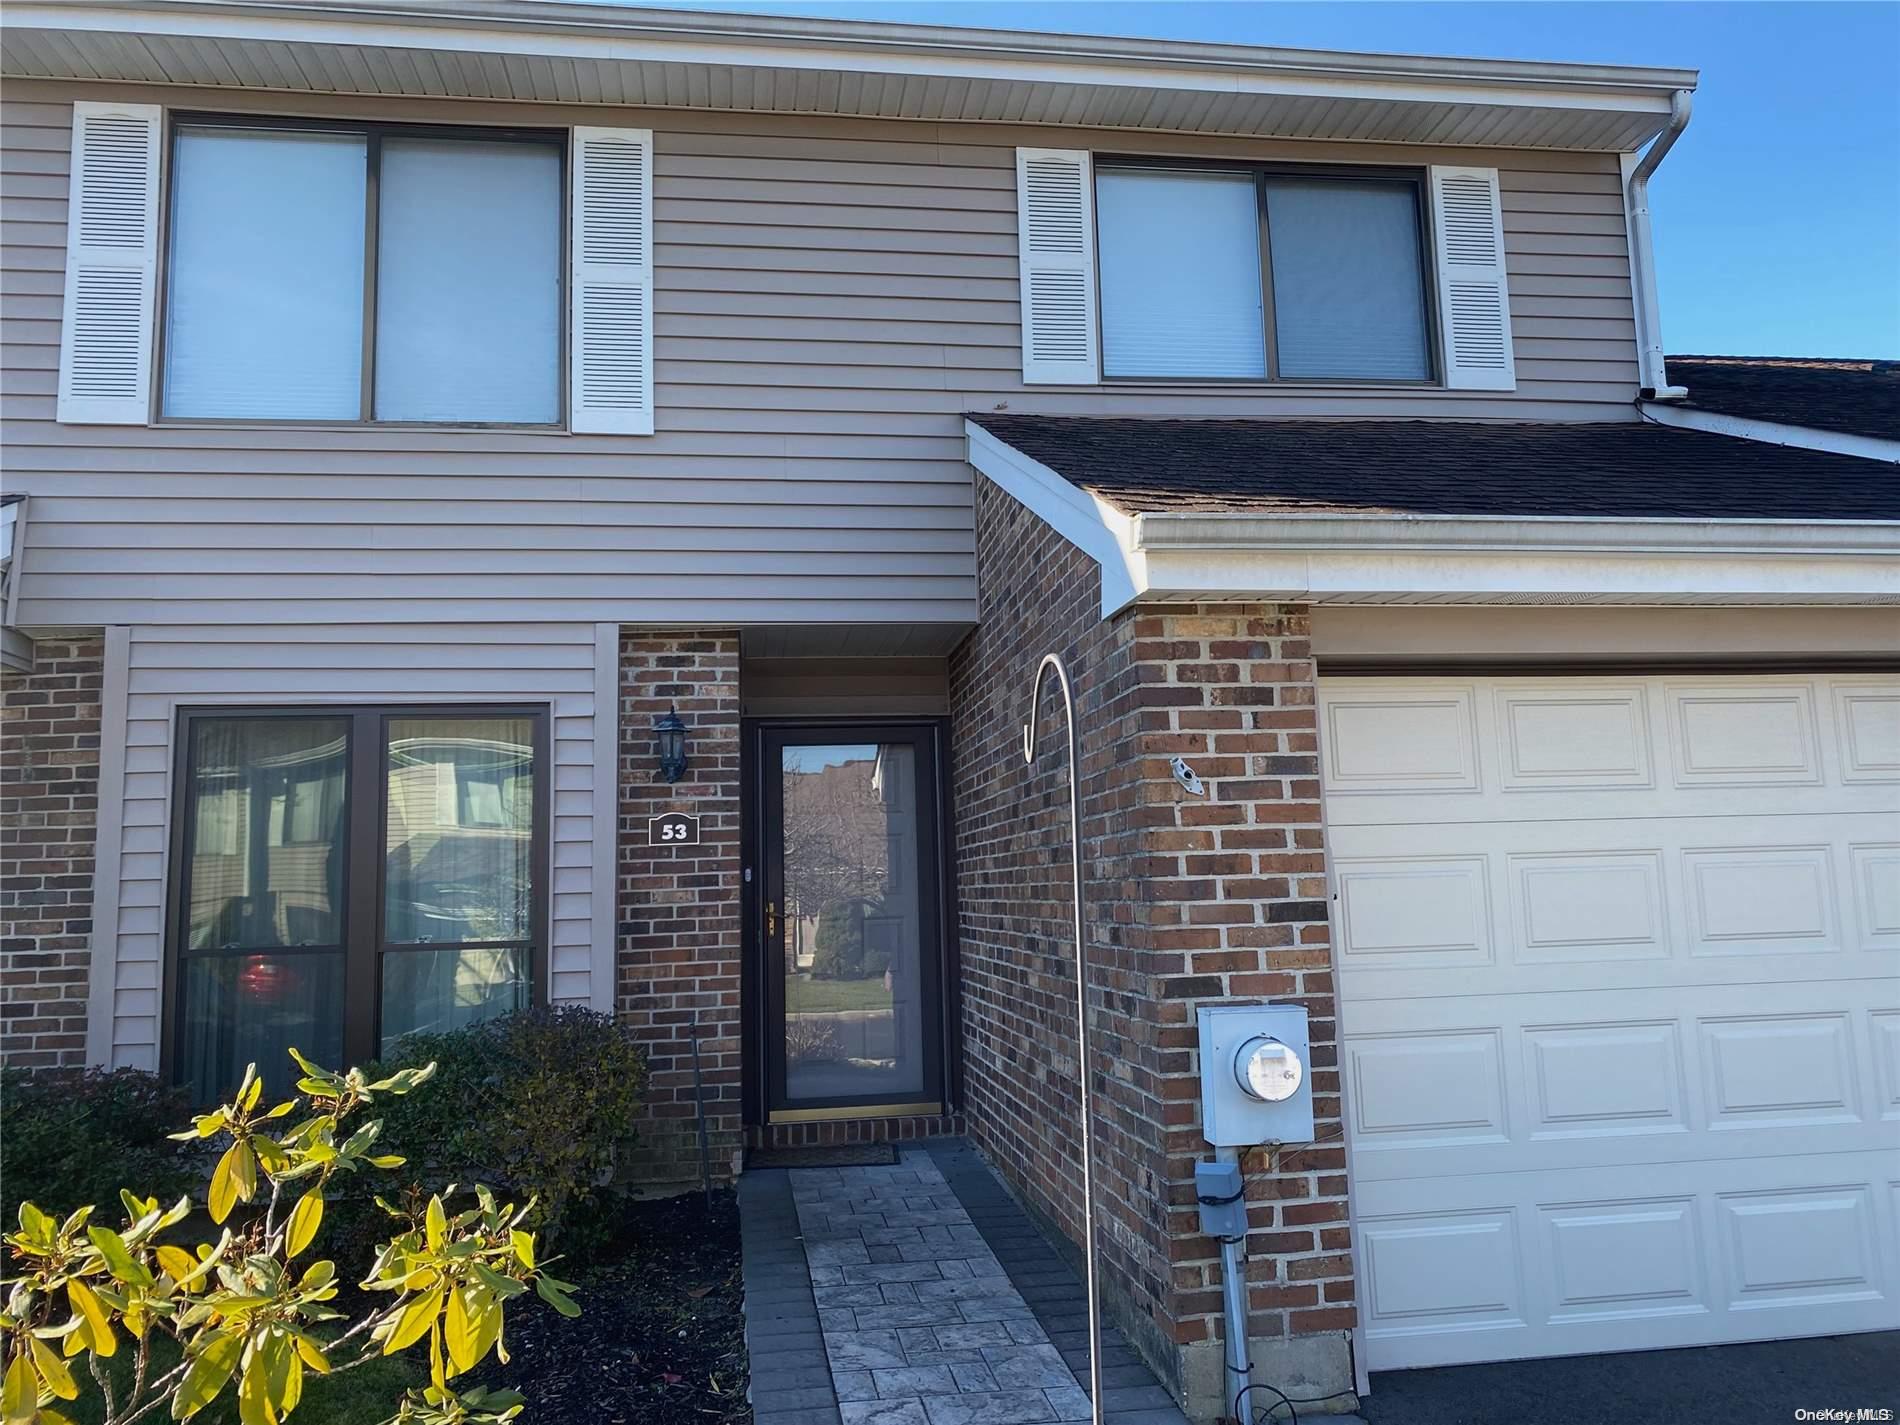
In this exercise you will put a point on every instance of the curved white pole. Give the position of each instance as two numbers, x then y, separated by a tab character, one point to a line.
1054	660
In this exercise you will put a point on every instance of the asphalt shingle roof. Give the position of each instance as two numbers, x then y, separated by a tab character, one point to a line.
1846	397
1628	469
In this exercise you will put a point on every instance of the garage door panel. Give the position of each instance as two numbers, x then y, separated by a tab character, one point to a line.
1551	1083
1594	904
1561	737
1743	734
1419	738
1408	750
1808	895
1619	967
1867	720
1453	1272
1883	1038
1758	900
1875	893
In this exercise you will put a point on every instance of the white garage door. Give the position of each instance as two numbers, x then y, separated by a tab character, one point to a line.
1619	1008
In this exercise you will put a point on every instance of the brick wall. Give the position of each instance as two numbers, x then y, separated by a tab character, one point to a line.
1191	900
1240	913
49	782
1038	595
679	907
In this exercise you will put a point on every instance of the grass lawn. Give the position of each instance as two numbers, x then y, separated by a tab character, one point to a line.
804	995
364	1396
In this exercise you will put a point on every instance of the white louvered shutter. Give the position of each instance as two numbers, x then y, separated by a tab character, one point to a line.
105	348
1055	210
610	384
1473	303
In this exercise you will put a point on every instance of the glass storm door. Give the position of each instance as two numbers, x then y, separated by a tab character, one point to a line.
850	931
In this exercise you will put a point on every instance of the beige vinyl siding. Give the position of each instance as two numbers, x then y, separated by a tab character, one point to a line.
832	295
569	668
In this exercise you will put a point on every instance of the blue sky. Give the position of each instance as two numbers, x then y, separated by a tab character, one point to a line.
1778	214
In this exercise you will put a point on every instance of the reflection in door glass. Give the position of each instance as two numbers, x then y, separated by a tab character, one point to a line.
852	935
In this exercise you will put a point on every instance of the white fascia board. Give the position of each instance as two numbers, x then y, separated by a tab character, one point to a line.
1867	447
1088	522
1412	559
598	32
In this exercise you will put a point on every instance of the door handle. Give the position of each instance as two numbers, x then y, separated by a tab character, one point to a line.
771	920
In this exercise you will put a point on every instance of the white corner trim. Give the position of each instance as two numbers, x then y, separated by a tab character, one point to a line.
102	960
1867	447
602	989
1088	522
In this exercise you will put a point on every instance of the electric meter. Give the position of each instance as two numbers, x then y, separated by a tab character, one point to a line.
1255	1081
1268	1070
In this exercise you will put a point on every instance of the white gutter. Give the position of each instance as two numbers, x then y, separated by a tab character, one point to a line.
1642	246
1505	560
1866	447
1241	530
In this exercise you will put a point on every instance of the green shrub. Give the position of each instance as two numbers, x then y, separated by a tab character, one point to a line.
74	1138
243	1315
539	1101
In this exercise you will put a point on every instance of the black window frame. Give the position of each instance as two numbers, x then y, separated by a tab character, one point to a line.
365	941
374	132
1262	173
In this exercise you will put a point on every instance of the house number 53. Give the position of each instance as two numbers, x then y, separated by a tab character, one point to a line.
673	829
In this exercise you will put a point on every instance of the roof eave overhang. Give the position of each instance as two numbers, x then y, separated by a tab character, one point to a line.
524	50
1229	555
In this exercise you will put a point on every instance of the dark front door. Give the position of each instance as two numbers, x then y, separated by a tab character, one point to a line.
849	920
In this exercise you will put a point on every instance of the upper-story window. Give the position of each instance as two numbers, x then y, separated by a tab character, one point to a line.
363	273
1261	274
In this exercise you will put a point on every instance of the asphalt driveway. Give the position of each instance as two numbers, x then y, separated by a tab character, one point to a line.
1764	1382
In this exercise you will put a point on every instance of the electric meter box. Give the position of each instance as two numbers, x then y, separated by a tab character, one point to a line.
1256	1075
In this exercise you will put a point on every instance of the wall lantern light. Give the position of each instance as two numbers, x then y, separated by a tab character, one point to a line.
669	745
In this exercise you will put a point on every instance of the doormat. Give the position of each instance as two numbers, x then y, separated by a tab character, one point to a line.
848	1155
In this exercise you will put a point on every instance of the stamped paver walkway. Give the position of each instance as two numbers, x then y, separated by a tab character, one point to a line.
903	1313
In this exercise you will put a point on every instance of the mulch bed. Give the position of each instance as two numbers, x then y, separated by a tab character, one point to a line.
661	1335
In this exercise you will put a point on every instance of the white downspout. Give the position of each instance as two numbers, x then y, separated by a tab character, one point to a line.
1655	379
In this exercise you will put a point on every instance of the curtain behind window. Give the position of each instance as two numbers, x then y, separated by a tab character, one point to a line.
468	292
1180	262
264	301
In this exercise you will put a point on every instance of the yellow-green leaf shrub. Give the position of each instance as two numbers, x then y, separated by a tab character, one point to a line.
237	1309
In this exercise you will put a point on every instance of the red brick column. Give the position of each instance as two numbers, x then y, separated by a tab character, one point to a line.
1239	914
49	780
1219	898
679	907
